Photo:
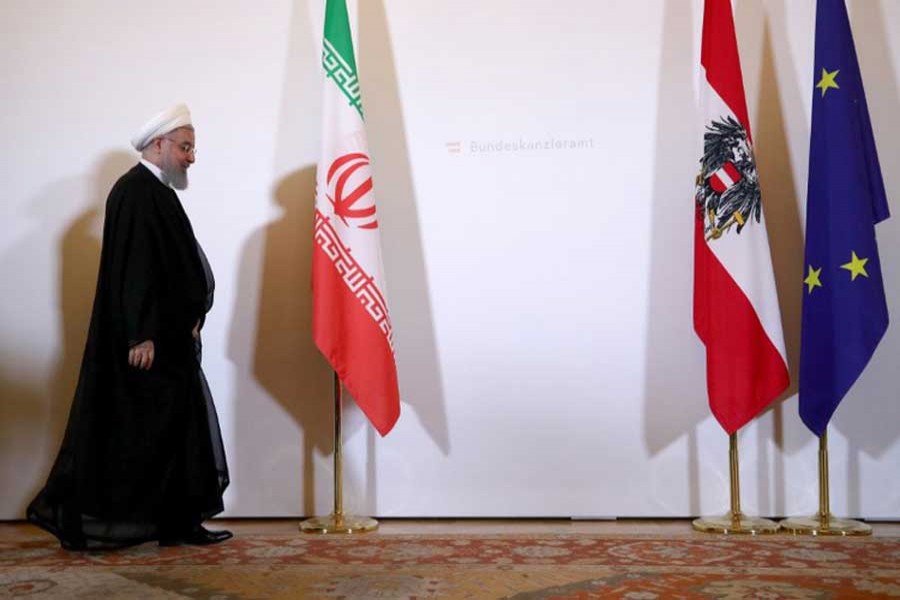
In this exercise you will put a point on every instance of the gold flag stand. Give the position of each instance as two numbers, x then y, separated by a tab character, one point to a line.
824	523
337	521
735	521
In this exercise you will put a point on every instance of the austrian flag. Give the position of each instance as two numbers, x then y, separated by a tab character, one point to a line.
736	312
351	322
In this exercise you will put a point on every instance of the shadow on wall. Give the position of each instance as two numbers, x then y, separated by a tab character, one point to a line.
34	414
23	415
418	363
869	414
675	386
272	348
779	115
282	420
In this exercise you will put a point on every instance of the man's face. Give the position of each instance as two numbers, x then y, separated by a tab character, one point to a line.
176	155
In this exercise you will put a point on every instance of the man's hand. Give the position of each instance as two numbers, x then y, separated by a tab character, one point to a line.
141	355
196	331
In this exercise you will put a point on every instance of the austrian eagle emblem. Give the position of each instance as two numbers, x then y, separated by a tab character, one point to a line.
728	185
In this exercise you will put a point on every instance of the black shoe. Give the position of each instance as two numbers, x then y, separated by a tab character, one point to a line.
73	545
200	536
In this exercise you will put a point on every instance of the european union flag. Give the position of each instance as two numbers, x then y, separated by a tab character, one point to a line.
844	310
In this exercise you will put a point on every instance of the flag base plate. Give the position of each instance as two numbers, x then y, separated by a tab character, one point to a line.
347	524
825	525
735	524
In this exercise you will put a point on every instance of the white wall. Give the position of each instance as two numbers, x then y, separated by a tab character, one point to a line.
541	298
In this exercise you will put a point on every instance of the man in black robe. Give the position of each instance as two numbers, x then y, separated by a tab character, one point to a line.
142	457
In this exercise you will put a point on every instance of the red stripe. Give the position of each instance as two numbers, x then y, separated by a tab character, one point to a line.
354	345
719	56
732	171
744	370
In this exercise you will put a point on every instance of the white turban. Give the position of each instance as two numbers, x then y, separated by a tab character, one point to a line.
166	121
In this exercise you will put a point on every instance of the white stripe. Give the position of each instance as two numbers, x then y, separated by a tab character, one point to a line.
746	256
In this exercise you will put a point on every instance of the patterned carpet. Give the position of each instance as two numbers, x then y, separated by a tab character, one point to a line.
379	566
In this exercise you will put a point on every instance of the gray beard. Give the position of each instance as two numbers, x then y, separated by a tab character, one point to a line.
176	177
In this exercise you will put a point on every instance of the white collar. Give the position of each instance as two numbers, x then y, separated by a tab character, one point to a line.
155	170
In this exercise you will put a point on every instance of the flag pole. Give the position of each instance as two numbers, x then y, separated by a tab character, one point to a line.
735	521
823	523
337	521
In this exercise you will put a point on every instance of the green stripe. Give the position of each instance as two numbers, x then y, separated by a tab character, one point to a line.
338	57
337	31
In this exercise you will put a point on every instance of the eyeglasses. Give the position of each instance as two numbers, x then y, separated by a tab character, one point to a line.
184	146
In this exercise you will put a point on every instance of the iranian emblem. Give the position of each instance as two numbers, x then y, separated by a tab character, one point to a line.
728	186
350	190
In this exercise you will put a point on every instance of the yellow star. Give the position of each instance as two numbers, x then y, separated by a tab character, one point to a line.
812	280
857	266
828	81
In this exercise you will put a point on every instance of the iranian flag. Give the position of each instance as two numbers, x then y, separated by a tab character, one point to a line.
736	310
351	323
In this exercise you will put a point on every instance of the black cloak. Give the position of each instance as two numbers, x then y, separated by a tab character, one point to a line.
142	454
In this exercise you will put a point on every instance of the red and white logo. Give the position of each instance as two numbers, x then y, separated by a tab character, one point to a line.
350	190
